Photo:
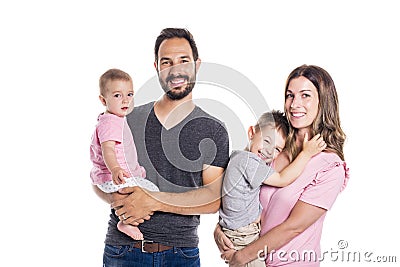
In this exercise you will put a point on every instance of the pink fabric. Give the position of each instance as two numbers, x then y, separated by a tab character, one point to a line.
319	184
113	128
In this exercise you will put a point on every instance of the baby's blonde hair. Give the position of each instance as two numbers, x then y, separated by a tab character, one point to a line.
112	75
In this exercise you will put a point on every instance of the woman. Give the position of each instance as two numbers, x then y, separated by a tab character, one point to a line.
292	217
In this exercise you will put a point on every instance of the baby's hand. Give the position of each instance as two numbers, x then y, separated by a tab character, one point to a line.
118	175
313	146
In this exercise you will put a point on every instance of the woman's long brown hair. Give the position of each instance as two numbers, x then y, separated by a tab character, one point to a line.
327	122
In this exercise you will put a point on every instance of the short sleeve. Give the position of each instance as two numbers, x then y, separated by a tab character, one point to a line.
249	167
110	129
221	140
326	186
257	171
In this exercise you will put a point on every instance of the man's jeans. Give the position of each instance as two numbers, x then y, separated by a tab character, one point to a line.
128	256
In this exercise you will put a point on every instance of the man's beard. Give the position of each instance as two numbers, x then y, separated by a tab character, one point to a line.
177	94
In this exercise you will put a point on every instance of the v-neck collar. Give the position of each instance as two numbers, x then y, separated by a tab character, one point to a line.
176	125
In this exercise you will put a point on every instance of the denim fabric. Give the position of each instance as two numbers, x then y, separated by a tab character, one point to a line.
128	256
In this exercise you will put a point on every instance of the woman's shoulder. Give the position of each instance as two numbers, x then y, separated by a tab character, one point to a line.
326	159
330	166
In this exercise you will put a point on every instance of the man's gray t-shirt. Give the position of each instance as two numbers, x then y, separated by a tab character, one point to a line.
173	159
241	189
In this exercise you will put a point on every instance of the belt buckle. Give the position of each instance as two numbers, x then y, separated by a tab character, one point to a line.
143	242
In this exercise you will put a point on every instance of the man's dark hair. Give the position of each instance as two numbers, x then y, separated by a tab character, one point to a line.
169	33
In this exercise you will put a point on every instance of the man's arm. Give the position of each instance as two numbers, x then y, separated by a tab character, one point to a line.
110	197
141	203
203	200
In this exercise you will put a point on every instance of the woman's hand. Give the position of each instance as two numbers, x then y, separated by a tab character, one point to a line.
222	241
231	257
226	247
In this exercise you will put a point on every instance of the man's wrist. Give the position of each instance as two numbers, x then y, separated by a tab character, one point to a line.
159	203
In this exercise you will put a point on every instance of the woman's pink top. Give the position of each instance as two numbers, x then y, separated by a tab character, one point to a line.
324	177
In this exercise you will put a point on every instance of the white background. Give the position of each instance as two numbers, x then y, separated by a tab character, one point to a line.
53	52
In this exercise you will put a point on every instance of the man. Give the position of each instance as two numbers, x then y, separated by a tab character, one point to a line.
184	151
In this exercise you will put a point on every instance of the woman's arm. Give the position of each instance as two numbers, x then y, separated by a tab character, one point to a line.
301	217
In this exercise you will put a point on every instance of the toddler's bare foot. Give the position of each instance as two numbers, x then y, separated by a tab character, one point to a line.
130	230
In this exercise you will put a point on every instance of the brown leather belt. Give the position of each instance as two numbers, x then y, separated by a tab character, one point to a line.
150	246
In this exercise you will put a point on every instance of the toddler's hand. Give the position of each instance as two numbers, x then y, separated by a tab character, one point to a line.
118	175
313	146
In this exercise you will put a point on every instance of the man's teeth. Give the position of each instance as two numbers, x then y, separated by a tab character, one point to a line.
177	81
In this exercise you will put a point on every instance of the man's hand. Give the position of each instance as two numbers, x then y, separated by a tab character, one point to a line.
136	205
